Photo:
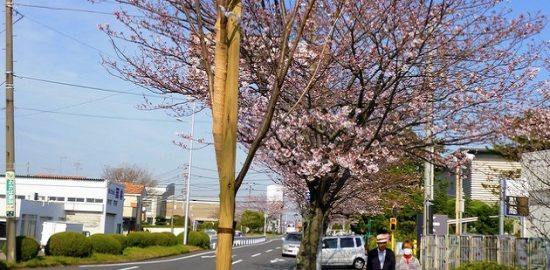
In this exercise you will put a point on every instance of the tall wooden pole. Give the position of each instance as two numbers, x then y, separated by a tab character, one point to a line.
10	145
224	111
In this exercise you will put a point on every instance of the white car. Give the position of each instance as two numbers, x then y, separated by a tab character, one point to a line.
291	244
343	251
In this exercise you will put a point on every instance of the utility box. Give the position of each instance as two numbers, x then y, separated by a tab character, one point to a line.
50	228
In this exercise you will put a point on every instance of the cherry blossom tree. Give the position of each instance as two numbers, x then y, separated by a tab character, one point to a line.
332	92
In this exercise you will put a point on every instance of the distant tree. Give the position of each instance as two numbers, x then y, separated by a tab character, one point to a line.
487	223
129	173
253	220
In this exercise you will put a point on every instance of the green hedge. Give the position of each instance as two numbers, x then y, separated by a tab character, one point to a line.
485	266
104	243
165	239
121	238
71	244
26	248
140	239
199	239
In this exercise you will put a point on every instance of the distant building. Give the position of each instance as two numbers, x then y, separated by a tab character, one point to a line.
536	170
274	193
95	203
154	202
133	206
481	177
199	211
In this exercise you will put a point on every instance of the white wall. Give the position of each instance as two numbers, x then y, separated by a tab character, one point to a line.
85	201
31	214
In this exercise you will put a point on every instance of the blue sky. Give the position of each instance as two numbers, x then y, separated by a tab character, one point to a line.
67	130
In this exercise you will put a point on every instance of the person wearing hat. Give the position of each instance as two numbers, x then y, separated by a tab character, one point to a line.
381	258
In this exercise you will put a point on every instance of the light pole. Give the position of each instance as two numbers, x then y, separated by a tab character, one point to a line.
188	186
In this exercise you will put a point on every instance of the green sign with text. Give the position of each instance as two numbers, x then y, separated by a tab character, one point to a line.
10	194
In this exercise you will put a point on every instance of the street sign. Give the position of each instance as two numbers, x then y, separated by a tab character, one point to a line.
10	194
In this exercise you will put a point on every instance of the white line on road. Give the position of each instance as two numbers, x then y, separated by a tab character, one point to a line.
166	260
208	256
128	268
257	254
277	260
269	250
236	261
278	248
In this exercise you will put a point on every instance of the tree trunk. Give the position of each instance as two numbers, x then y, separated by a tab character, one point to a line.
311	237
224	126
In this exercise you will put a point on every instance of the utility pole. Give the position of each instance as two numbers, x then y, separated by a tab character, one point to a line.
10	140
188	186
458	197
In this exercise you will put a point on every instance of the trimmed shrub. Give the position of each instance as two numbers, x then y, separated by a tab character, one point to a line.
199	239
168	239
26	248
103	243
140	239
71	244
485	266
121	238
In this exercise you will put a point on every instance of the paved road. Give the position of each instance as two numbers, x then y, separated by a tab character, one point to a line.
261	256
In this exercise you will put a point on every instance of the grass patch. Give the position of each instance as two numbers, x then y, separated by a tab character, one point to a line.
129	255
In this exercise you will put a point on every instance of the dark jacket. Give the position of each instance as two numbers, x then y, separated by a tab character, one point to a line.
374	264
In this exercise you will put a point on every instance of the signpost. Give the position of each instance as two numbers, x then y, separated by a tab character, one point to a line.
10	194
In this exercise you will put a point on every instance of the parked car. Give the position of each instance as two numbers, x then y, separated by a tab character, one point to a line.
343	251
291	244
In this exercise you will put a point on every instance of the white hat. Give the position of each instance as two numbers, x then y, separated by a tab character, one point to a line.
382	238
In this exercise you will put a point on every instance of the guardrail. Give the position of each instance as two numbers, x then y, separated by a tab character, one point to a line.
239	241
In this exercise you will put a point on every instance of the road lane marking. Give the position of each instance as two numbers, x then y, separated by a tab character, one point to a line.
277	260
257	254
278	248
128	268
236	261
167	260
269	250
208	256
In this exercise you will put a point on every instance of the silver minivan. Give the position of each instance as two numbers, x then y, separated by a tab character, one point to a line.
347	250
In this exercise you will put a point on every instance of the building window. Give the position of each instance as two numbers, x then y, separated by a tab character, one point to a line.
98	200
80	199
59	199
89	200
115	203
109	202
71	199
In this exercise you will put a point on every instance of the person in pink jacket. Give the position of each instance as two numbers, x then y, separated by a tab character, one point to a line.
408	261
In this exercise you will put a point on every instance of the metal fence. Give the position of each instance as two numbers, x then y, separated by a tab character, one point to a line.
449	252
239	241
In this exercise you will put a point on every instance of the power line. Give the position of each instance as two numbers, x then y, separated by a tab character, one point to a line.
95	88
74	10
69	106
100	116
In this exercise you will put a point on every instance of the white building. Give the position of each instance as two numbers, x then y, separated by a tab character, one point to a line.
536	170
30	215
155	202
96	203
481	178
274	193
